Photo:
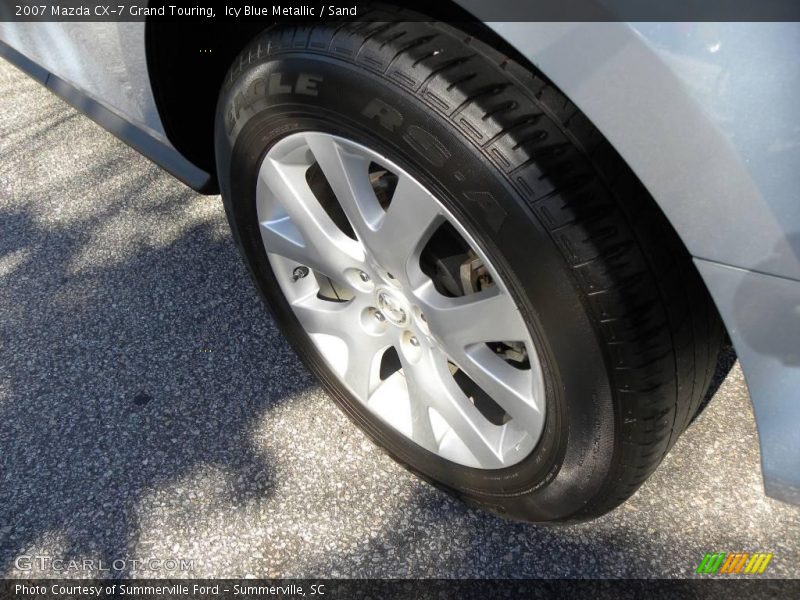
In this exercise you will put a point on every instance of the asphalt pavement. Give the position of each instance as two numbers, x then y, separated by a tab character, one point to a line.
150	411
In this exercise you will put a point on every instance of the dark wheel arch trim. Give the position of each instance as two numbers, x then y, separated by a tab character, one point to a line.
181	75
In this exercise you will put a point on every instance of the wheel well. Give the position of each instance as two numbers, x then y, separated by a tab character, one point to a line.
187	64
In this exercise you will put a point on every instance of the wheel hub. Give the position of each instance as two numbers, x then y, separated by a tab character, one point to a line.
393	306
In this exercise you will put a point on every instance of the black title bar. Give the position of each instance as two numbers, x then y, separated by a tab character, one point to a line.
449	10
350	589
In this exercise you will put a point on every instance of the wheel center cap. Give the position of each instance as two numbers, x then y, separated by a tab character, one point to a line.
393	306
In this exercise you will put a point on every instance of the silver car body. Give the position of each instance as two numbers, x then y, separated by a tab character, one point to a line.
705	114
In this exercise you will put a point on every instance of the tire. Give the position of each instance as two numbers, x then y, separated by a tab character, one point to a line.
625	334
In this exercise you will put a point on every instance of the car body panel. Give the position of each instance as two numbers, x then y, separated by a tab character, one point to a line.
106	61
702	114
762	316
100	69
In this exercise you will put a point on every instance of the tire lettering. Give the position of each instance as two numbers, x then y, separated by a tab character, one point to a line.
275	86
494	213
389	118
307	84
275	83
427	145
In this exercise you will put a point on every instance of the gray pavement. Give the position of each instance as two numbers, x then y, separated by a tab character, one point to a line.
150	409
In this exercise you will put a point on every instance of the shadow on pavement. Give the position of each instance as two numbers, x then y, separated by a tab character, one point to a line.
124	369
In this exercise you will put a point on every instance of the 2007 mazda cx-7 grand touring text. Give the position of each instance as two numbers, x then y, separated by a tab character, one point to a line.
510	251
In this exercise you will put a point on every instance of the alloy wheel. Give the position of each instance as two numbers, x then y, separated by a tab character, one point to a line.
403	305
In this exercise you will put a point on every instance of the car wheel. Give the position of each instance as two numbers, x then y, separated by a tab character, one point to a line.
464	262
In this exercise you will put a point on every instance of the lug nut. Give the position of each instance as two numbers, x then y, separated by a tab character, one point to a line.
379	316
364	277
413	341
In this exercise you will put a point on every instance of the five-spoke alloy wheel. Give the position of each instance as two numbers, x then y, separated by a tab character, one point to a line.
457	374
